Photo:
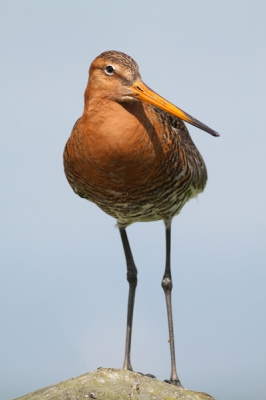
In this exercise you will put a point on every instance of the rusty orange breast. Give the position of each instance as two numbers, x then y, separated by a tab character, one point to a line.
123	159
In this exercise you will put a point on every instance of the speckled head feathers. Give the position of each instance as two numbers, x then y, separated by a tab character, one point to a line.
119	58
127	66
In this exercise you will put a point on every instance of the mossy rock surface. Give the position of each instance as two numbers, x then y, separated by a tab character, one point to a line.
113	384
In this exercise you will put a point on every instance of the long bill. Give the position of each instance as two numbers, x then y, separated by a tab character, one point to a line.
144	93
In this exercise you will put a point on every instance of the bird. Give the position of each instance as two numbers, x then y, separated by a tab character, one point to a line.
131	154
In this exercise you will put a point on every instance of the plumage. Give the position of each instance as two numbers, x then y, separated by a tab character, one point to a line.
131	154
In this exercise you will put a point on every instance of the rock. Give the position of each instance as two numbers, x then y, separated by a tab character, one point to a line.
114	384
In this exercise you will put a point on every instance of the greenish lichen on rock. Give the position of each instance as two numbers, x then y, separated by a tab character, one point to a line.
114	384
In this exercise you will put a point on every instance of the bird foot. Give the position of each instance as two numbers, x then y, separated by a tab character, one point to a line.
148	375
151	376
175	382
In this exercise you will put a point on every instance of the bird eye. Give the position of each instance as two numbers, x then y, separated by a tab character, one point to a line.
109	70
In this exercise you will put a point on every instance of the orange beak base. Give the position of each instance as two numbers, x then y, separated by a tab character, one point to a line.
144	93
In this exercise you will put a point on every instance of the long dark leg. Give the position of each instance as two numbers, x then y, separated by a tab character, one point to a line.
167	286
132	280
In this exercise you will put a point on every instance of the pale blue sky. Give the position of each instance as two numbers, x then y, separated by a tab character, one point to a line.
63	274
